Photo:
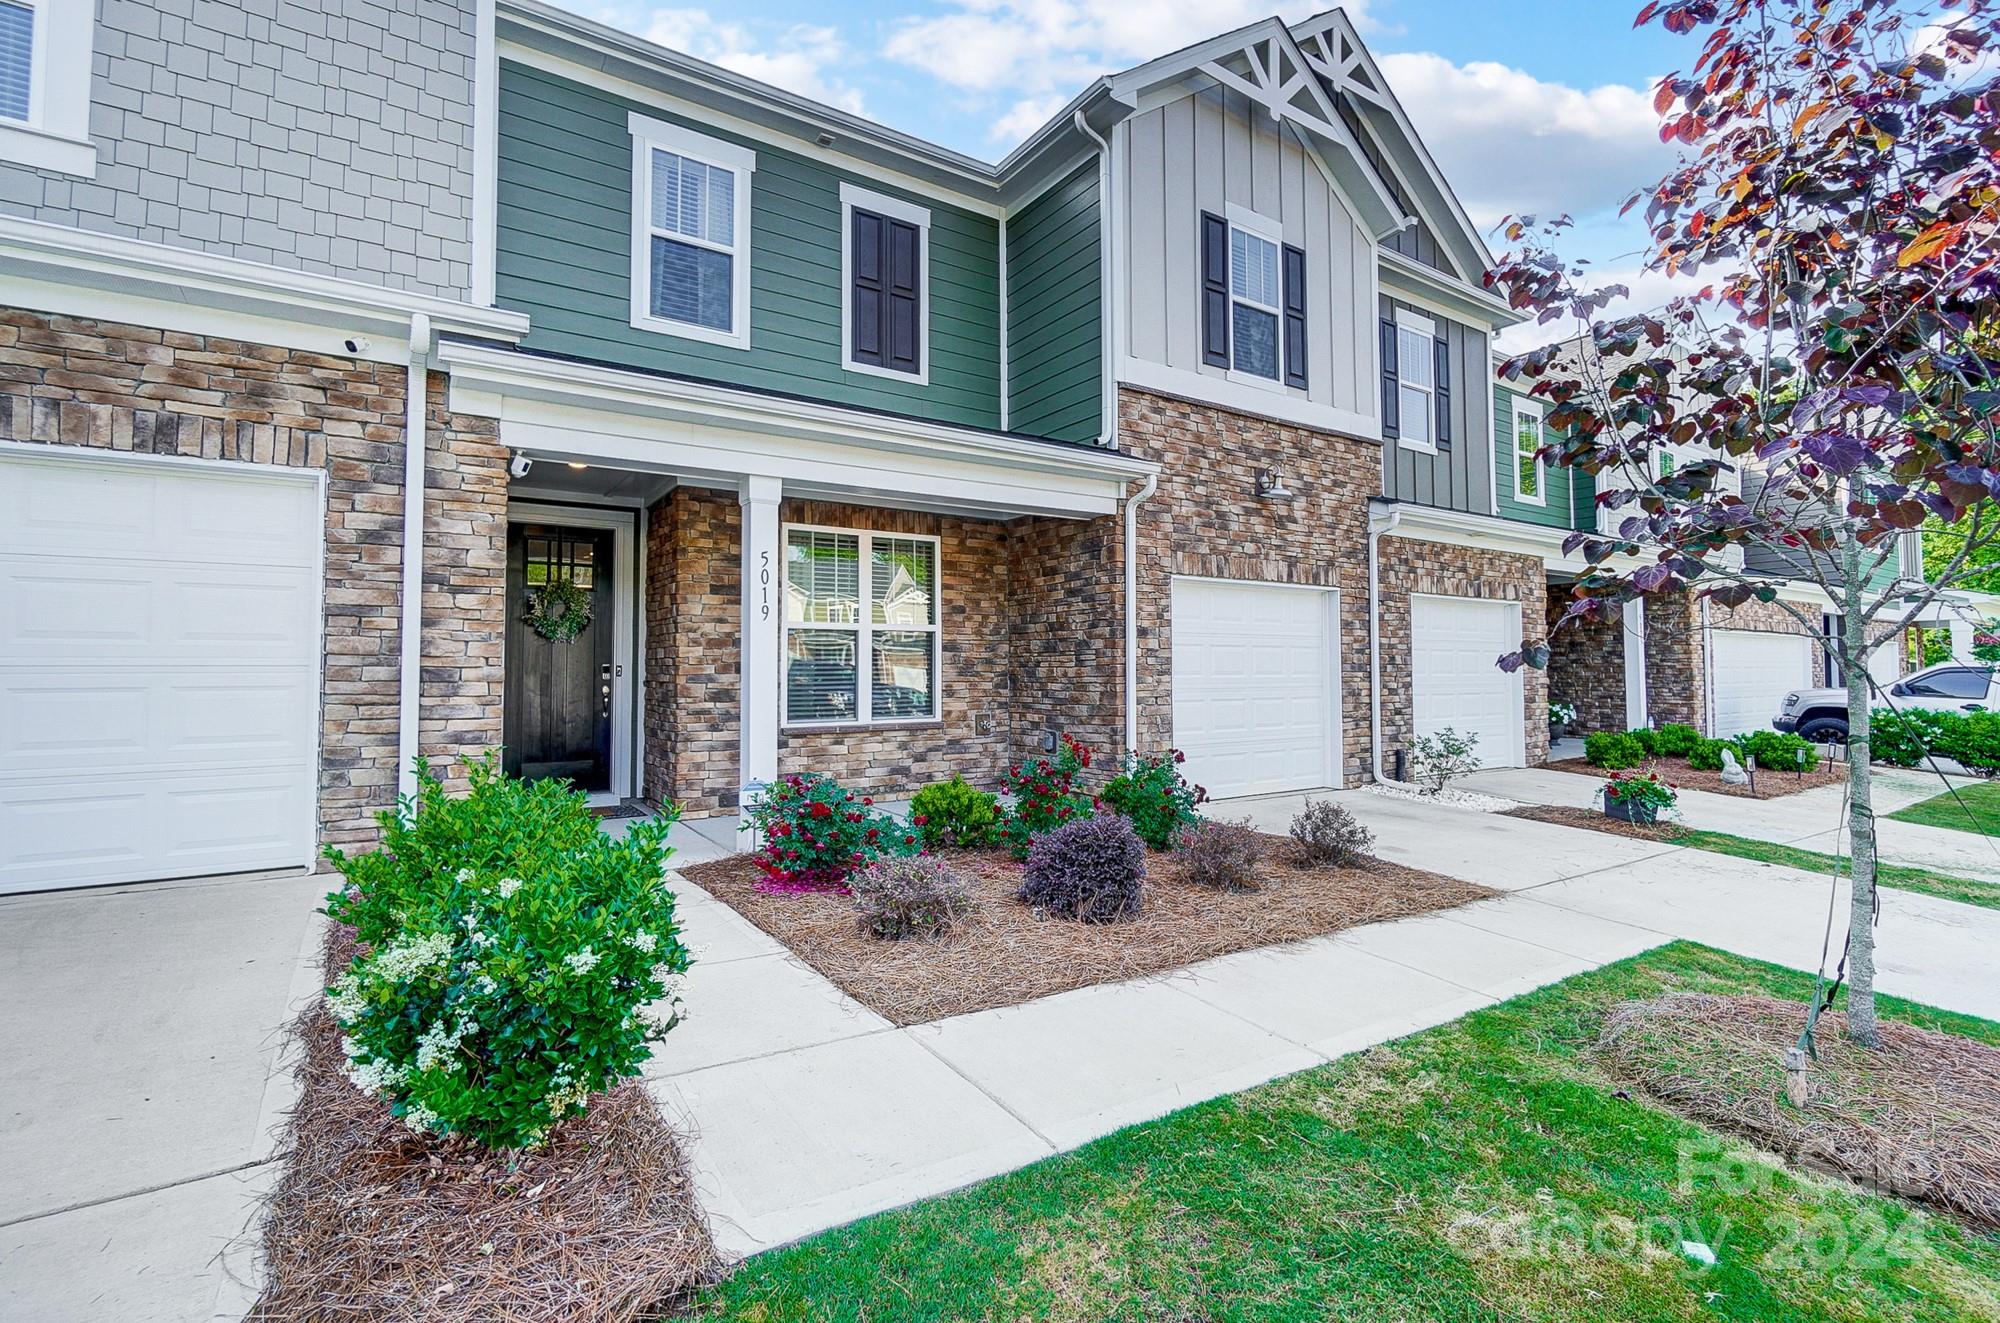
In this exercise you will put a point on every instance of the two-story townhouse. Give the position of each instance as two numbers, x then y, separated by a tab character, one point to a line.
345	332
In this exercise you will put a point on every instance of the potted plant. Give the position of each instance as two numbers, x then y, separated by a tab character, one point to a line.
1561	717
1637	797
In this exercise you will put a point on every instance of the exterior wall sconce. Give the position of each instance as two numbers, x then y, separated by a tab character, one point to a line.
1271	486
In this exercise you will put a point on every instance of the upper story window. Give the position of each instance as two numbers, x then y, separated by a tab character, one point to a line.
690	233
1529	478
885	276
45	85
1253	300
861	626
1416	382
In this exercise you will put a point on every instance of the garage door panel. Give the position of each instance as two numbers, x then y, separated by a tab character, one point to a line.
1751	672
159	612
80	508
1252	686
1455	643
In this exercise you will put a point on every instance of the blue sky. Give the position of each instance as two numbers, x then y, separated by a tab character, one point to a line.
1541	107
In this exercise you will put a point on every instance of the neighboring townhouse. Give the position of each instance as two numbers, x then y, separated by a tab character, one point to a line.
337	333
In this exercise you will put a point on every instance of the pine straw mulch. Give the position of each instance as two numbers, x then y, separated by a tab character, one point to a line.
1770	785
1919	1117
1564	816
373	1222
1003	954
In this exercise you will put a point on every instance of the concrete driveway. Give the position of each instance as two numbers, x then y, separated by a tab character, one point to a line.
141	1031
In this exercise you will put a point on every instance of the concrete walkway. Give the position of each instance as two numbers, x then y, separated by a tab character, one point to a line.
143	1090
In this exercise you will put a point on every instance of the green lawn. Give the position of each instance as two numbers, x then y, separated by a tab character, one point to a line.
1976	808
1484	1170
1968	890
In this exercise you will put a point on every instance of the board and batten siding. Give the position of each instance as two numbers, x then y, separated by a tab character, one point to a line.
1205	152
564	258
1460	478
1571	493
1055	322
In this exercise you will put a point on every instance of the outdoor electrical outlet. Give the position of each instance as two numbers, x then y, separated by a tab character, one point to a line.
1048	741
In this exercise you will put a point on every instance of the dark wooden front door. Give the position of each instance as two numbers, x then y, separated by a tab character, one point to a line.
556	717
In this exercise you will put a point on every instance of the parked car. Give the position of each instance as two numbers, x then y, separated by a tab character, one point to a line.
1821	714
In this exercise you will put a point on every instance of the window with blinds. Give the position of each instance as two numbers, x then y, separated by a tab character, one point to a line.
861	626
690	233
17	59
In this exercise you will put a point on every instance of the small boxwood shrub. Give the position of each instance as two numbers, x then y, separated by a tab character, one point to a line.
1777	751
952	815
1613	749
922	896
1649	739
1092	870
1045	795
515	959
1223	855
1160	802
1707	755
1901	739
1328	836
816	832
1674	740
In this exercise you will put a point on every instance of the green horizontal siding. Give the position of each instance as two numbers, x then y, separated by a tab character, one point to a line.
564	258
1054	314
1570	491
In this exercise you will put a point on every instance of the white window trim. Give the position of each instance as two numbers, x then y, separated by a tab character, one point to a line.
852	196
1524	409
1424	326
647	134
864	630
56	134
1272	232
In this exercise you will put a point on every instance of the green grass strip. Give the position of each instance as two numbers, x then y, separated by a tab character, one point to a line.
1901	876
1975	808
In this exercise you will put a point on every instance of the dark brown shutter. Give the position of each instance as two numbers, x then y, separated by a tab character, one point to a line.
1214	290
886	302
1295	316
1442	357
1390	380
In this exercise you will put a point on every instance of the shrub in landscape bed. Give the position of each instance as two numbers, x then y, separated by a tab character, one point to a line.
1777	751
512	951
1091	870
1649	739
1223	855
1045	796
1152	793
1707	755
953	815
816	832
920	896
1972	740
1437	760
1674	740
1613	749
1329	836
1901	739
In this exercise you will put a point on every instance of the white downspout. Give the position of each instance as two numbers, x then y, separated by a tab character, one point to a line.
1106	294
1132	611
1378	524
416	401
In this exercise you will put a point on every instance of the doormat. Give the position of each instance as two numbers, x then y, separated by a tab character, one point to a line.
630	808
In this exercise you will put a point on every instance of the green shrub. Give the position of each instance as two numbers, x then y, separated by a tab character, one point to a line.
1436	760
1613	749
1329	835
1649	739
1777	751
1045	796
1675	741
1901	739
921	896
516	960
1152	793
1707	755
1972	739
1222	855
1091	870
816	832
954	815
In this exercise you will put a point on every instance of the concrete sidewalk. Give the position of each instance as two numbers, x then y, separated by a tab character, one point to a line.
145	1084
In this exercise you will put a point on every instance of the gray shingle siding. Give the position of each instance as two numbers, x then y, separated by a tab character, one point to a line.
332	136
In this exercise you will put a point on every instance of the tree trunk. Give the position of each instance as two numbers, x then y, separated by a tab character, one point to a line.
1861	1023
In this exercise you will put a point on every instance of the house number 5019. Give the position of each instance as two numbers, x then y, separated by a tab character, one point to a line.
764	580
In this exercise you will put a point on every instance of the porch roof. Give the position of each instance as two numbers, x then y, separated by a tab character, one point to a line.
704	434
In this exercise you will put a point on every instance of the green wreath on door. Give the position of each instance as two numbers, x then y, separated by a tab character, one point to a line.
560	611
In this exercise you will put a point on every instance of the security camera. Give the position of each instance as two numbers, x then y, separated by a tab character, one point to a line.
356	344
518	466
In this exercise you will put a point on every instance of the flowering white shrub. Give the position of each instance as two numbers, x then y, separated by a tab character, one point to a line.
516	959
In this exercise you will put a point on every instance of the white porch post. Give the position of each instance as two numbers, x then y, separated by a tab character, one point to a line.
1961	638
1637	716
760	637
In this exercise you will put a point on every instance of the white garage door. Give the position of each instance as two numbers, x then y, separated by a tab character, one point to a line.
1454	642
159	668
1752	672
1256	707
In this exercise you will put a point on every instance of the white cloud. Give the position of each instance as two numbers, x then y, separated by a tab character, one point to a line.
1651	290
798	57
1034	55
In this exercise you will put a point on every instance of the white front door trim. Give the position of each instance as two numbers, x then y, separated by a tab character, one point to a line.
624	611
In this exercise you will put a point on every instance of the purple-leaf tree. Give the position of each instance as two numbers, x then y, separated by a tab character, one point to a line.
1839	190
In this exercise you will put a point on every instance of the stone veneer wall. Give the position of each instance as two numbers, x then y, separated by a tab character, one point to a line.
1586	666
1409	566
1676	669
80	382
1206	520
1066	638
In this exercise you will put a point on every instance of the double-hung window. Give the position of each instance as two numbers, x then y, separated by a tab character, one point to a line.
1253	300
45	84
1416	382
690	233
1529	478
861	626
885	248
